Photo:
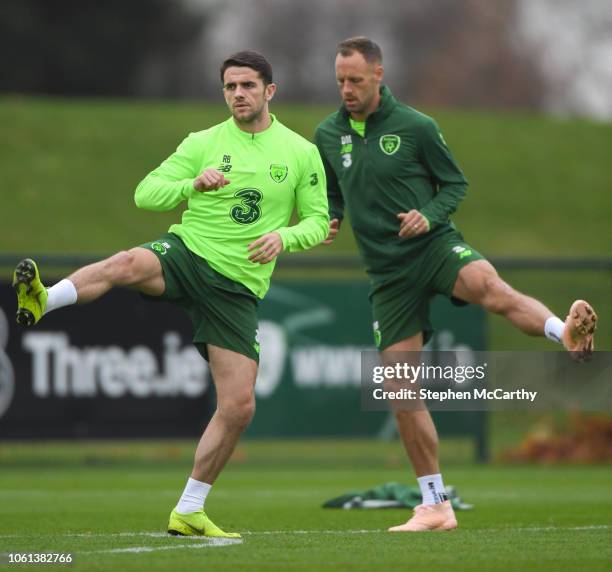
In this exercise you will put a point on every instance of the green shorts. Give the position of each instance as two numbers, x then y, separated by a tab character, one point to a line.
400	306
223	312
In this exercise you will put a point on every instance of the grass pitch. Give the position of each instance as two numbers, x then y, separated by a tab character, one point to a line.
108	504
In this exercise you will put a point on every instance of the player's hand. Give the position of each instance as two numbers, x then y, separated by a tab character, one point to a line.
412	224
334	227
210	180
266	248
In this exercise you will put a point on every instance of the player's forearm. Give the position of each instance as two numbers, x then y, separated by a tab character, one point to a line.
309	232
444	204
156	194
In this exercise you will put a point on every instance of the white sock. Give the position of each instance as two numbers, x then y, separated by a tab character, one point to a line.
193	497
553	329
62	294
432	489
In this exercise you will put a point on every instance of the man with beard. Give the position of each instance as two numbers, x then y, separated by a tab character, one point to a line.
242	180
390	166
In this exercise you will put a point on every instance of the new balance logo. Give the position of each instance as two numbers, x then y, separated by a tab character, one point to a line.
462	251
225	166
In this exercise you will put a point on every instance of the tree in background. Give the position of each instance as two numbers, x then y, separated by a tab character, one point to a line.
467	56
552	55
79	47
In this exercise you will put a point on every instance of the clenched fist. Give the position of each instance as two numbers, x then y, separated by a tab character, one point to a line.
210	180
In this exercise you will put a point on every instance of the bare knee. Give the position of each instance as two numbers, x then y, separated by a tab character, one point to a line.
496	296
238	411
121	268
407	424
415	425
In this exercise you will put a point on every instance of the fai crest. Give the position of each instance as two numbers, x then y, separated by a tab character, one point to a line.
160	247
278	172
389	144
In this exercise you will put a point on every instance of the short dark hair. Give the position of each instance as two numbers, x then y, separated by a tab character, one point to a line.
367	48
249	59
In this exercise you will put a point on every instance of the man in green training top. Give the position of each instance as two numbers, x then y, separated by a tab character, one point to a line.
241	180
392	169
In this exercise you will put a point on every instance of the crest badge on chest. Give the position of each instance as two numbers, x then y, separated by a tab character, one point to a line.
278	172
389	144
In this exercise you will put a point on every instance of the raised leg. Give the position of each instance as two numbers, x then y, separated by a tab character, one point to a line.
138	268
479	283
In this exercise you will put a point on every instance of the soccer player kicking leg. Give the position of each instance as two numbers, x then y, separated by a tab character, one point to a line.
381	157
478	283
233	373
216	263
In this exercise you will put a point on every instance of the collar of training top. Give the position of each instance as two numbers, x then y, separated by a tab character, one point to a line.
385	107
246	135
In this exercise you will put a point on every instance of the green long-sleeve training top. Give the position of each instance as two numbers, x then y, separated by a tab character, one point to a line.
270	173
400	163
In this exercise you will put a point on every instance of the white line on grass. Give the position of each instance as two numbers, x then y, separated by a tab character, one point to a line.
99	535
509	529
264	532
545	528
156	534
196	539
203	543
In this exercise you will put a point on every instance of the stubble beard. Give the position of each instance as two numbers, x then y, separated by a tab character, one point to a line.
364	105
248	119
